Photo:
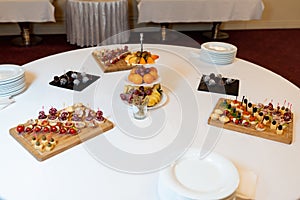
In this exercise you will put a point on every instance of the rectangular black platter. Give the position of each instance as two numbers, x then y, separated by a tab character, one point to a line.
230	89
80	86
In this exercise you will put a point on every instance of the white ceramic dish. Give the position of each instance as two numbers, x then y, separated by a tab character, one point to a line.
9	72
219	47
213	177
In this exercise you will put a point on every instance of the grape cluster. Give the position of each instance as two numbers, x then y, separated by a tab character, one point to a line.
63	116
99	115
42	115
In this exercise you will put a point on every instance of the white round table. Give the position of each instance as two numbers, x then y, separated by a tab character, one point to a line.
76	174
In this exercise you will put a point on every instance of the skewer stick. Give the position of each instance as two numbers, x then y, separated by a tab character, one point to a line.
141	40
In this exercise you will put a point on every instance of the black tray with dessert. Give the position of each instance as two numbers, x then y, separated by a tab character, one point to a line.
219	84
73	80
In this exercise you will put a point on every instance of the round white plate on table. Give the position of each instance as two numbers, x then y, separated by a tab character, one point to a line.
213	177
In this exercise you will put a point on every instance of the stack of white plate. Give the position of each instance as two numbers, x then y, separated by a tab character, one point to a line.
12	80
219	53
213	177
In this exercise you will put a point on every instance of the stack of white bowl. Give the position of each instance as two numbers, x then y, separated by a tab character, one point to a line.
213	177
219	53
12	80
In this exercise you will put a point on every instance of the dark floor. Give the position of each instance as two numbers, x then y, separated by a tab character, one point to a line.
276	50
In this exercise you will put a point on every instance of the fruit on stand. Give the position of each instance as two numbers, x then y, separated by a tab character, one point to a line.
154	94
140	74
139	57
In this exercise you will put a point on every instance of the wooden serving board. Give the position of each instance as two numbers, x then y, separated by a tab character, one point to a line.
63	141
121	65
286	137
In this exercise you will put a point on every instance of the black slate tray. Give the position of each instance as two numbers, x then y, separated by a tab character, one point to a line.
70	85
229	89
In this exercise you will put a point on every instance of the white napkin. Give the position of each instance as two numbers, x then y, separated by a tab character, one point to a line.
5	102
247	186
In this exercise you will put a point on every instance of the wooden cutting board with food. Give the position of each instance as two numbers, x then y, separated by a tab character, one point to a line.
265	121
53	133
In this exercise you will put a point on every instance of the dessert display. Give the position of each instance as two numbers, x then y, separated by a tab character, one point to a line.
266	121
219	84
143	85
141	58
111	60
74	80
58	130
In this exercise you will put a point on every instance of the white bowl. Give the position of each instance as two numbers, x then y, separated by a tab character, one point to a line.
219	47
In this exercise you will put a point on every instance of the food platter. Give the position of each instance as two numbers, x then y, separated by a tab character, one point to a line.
45	138
262	126
116	61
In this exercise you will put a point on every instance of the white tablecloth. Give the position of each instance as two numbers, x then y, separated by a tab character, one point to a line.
26	11
88	23
76	174
176	11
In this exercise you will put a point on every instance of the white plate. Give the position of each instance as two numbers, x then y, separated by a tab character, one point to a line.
15	92
18	87
12	84
9	72
213	177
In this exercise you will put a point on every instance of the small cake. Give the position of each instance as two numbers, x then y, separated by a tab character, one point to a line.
44	140
234	103
253	120
52	141
215	116
33	140
38	146
260	127
246	114
279	130
273	125
266	119
49	147
250	107
224	119
260	116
